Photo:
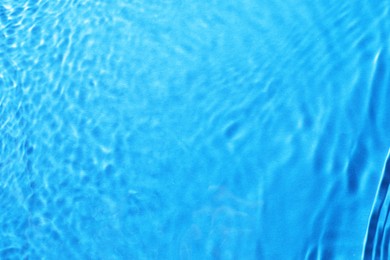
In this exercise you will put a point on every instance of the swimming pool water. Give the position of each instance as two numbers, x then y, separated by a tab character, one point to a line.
166	129
377	239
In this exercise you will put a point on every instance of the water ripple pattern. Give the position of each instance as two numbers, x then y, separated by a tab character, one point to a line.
190	129
378	234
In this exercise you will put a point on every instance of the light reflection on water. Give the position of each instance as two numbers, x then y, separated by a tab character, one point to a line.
191	129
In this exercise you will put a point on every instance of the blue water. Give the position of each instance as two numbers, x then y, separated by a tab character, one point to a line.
377	237
164	129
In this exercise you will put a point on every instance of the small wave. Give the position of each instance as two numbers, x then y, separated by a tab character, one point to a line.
377	241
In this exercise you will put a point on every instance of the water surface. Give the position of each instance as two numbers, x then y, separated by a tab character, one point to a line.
169	129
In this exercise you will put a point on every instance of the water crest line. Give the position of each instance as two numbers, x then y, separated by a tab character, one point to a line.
373	239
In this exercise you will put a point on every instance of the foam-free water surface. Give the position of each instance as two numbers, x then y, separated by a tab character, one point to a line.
169	129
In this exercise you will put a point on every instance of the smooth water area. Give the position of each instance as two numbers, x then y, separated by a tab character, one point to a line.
163	129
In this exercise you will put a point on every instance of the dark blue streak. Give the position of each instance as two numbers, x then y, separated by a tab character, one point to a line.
374	236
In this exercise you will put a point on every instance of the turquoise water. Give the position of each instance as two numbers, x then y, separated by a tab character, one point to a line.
166	129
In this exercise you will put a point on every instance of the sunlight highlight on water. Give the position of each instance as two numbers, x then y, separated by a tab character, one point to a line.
166	129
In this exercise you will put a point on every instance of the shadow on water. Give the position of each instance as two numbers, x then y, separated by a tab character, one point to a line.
377	239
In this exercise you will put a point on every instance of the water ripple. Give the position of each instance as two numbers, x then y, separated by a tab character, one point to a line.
171	129
377	241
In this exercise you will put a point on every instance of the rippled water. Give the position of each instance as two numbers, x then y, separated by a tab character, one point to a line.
166	129
377	238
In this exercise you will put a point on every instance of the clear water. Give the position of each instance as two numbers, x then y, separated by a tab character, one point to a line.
377	238
164	129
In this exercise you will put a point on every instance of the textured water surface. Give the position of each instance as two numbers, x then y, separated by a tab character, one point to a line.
378	238
215	129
